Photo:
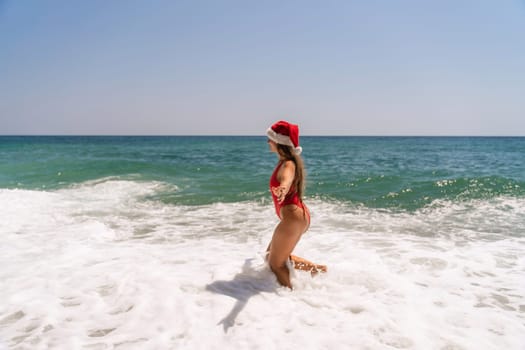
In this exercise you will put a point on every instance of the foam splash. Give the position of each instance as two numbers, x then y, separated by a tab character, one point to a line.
99	266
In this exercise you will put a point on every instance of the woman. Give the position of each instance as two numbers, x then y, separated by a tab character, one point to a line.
286	186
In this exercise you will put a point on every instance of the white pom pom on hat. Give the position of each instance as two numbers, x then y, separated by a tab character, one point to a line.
285	133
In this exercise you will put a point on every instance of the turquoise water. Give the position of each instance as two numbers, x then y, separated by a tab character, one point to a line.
379	172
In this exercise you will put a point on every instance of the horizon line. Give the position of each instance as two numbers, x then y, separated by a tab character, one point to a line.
237	135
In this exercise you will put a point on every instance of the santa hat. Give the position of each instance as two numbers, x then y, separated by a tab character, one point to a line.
285	133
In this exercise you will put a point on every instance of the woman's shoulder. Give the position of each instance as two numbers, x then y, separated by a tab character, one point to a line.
288	164
286	171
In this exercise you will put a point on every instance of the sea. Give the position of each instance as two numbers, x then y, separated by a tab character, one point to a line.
158	243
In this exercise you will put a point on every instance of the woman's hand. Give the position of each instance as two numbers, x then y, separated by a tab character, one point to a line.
280	193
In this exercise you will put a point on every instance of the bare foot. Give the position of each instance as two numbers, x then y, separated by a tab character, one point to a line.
318	268
305	265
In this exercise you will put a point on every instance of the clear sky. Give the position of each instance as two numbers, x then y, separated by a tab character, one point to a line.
448	67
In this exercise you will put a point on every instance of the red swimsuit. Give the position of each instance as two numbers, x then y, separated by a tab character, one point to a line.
290	198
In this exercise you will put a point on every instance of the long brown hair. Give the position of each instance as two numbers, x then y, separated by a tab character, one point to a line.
287	153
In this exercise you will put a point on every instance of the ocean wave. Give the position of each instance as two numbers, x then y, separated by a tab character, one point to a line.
138	209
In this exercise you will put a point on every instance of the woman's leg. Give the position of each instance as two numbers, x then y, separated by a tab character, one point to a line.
301	263
284	239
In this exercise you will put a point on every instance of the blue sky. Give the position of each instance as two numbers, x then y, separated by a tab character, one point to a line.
234	67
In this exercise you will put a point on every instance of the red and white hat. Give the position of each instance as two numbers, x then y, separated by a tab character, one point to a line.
285	133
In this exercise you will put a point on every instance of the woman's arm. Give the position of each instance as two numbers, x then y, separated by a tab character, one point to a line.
285	176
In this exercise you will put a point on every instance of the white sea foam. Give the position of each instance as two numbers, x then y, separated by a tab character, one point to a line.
99	266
